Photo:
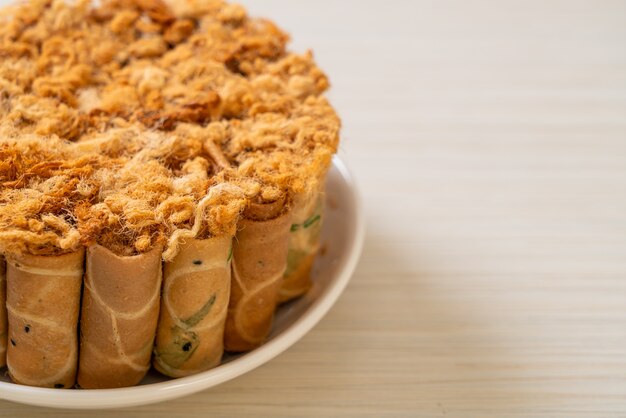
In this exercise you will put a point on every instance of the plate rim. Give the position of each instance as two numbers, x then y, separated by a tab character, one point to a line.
175	388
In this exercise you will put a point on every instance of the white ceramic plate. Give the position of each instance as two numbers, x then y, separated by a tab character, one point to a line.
342	238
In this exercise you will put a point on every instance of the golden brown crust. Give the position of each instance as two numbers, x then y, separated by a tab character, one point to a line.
297	280
304	243
259	262
43	301
194	302
119	317
265	211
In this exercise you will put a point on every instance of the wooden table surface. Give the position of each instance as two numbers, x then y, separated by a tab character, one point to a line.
489	140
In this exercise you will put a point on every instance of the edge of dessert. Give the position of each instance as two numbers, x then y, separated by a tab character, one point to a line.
162	167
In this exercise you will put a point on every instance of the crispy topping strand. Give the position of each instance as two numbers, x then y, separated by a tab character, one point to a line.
137	123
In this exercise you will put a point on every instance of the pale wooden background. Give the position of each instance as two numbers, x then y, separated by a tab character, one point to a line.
489	138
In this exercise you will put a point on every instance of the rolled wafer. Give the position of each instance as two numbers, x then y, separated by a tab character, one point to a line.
43	301
194	303
3	312
259	263
304	244
119	316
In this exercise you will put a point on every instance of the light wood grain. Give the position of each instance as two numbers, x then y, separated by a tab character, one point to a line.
489	138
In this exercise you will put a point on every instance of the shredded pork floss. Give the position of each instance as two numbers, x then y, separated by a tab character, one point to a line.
118	119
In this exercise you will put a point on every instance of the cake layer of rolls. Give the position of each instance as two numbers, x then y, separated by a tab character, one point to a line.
43	302
145	130
194	303
119	317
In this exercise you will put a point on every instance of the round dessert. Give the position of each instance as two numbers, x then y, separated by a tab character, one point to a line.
162	164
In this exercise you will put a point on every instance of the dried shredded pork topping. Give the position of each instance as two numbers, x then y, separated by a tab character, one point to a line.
136	123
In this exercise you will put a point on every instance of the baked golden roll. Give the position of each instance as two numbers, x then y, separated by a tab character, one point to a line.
146	132
194	303
3	313
259	263
119	316
43	302
304	244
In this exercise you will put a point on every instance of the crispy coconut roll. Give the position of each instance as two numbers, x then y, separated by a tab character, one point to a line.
119	317
43	300
105	106
196	290
44	256
259	263
304	244
3	313
197	276
124	241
